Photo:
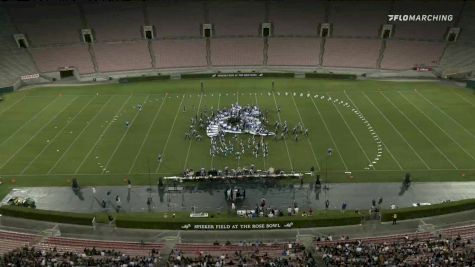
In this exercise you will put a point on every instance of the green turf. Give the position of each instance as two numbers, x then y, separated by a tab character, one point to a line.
50	135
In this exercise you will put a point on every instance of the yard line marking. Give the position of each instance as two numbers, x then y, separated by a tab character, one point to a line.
56	136
169	134
464	99
385	146
420	131
191	141
100	136
123	137
21	98
447	115
329	134
79	135
285	142
28	121
438	126
351	131
308	139
37	132
257	104
219	100
147	135
399	133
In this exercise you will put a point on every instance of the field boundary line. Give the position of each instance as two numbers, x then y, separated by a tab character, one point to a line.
399	133
285	141
100	136
8	108
147	135
308	139
438	126
169	134
329	133
80	133
420	131
219	101
29	120
446	114
191	141
137	113
37	132
57	134
384	144
351	131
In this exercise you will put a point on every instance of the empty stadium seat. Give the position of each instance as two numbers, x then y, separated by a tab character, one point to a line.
237	51
50	59
173	19
293	51
180	53
296	18
236	18
407	54
361	53
123	56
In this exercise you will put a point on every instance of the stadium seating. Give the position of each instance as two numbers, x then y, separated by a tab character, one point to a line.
363	19
122	56
180	53
296	18
14	61
115	21
293	51
77	245
458	57
467	23
176	20
48	24
49	59
236	18
361	53
12	240
13	64
407	54
424	30
237	51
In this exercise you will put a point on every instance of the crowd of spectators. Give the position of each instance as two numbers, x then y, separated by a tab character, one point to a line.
292	255
30	256
431	252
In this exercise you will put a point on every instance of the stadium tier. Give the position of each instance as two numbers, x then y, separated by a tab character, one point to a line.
180	53
424	30
236	18
458	57
176	20
369	14
53	33
50	59
293	51
48	24
237	51
127	20
122	56
407	54
467	23
360	53
296	18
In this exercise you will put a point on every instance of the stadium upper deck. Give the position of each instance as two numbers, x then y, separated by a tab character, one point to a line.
53	33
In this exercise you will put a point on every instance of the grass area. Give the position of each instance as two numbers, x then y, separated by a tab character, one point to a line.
50	135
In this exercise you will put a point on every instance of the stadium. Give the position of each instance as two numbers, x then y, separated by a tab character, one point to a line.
237	133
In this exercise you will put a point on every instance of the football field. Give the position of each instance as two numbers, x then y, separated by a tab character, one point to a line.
378	130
